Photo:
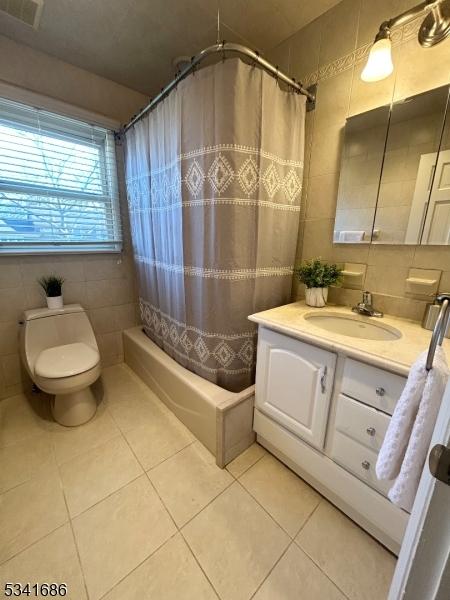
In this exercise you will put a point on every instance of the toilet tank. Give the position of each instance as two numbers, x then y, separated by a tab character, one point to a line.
45	328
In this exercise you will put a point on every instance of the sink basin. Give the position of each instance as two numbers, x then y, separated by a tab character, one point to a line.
355	326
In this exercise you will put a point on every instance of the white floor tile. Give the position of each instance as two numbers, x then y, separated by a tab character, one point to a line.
30	511
236	543
188	481
89	478
171	573
119	533
359	565
285	496
53	559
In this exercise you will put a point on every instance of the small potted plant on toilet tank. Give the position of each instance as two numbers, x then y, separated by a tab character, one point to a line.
318	275
52	286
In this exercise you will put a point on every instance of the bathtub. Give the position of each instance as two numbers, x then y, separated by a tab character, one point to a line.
221	420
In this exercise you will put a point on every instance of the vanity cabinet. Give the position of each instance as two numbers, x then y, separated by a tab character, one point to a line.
293	384
325	415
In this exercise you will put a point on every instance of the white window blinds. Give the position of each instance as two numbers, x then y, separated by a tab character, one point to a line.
58	183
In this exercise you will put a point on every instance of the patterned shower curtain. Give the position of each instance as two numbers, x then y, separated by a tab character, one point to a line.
214	178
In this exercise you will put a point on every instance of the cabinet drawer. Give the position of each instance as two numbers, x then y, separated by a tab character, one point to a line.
361	423
371	385
357	459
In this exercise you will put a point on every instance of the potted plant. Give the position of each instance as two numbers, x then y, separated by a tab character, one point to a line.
52	287
317	275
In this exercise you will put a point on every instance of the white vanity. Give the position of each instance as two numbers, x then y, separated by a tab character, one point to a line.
324	400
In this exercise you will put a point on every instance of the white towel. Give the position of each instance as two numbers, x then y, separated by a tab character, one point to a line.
415	422
351	236
397	436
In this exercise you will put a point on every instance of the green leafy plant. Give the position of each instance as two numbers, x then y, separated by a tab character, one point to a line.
316	273
51	285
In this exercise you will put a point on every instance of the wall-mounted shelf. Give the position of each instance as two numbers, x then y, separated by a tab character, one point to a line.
422	283
353	275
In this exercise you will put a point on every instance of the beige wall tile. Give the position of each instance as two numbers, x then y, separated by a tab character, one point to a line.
104	267
326	149
125	316
103	320
356	253
419	69
387	280
12	304
12	369
333	97
366	96
432	257
9	338
373	14
444	285
280	56
10	275
339	31
305	48
110	346
317	240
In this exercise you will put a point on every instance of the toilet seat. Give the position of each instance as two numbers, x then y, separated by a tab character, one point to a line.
66	360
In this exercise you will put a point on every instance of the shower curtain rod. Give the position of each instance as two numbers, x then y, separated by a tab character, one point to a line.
225	47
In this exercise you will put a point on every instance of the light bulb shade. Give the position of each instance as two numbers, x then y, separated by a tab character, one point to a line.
379	63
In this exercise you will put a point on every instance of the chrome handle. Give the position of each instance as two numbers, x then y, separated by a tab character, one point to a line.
365	465
380	391
323	379
371	431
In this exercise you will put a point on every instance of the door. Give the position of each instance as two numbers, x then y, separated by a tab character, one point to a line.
437	221
430	208
423	567
294	382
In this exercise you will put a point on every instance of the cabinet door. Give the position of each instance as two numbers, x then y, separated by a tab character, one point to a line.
294	382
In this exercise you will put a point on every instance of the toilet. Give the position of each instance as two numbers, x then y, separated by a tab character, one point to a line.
60	353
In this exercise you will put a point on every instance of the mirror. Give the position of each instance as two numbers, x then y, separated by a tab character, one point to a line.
362	161
394	185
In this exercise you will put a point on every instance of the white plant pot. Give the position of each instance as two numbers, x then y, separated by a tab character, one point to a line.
54	301
316	296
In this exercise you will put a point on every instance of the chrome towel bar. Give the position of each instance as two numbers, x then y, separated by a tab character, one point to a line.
440	328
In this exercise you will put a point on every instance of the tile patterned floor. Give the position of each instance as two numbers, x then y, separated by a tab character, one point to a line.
130	506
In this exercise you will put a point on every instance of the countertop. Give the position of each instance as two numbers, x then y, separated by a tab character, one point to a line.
396	355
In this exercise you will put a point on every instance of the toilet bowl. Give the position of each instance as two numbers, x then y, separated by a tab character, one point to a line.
60	353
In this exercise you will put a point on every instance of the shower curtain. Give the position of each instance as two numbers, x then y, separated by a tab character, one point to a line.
214	178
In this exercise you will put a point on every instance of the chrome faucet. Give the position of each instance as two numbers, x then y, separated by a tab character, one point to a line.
365	307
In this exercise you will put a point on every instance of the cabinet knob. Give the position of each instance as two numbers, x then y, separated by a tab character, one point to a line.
365	465
380	391
371	431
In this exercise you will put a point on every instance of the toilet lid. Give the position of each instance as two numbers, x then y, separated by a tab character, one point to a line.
67	360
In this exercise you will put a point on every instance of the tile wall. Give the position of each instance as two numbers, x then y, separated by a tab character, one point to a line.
332	51
103	283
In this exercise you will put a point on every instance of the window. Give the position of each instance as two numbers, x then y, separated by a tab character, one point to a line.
58	183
